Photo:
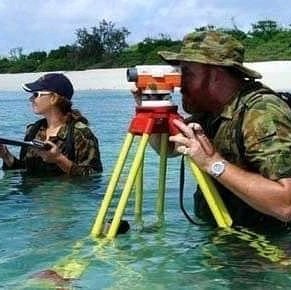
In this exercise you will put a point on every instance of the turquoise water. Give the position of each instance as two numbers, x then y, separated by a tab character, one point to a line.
44	223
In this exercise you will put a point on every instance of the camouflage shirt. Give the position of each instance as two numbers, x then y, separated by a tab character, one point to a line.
86	156
265	131
253	132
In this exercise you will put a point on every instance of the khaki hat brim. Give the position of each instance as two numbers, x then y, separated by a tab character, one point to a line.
175	59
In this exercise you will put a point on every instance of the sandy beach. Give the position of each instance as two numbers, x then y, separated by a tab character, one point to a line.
276	74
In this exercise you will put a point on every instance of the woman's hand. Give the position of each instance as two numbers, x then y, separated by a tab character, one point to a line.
54	155
50	156
193	142
3	151
7	157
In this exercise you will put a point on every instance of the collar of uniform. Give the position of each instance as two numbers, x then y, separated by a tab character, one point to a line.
63	132
231	107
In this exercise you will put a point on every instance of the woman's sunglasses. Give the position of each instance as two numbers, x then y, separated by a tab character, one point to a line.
40	94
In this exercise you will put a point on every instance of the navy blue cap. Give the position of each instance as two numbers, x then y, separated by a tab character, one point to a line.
54	82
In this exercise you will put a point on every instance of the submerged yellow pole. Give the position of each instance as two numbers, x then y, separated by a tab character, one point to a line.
162	175
98	225
215	203
128	186
139	193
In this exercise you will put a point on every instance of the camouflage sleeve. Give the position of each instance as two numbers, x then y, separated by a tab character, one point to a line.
87	155
18	163
267	137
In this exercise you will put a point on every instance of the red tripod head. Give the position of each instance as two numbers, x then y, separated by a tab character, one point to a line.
155	120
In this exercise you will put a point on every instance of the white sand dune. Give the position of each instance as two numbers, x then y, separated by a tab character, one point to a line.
82	80
276	74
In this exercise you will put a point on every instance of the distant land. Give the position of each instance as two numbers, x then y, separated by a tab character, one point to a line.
276	74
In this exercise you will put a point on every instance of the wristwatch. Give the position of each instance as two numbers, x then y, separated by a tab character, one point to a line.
217	168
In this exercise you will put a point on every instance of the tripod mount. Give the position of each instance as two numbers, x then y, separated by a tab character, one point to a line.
153	116
147	121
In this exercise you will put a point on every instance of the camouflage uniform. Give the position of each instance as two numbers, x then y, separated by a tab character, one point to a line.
264	128
86	154
258	139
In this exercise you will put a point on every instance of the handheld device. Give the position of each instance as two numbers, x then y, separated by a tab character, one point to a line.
34	143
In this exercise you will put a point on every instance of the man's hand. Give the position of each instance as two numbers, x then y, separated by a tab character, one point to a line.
193	142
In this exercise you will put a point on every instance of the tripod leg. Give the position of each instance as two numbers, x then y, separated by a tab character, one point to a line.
98	225
128	186
162	176
139	194
215	203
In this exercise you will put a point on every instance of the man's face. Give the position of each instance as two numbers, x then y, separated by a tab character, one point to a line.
195	86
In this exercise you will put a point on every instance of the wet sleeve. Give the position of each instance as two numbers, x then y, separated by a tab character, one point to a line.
87	155
18	163
267	138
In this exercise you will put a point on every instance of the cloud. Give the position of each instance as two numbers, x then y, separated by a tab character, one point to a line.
45	25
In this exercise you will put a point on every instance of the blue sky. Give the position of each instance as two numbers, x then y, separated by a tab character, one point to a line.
38	25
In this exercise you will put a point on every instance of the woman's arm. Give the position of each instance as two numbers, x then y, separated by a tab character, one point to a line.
87	156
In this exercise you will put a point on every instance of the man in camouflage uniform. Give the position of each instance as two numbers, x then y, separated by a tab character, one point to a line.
240	130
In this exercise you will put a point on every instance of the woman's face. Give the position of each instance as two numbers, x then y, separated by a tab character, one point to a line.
41	102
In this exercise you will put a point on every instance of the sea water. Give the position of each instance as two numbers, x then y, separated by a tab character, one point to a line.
45	222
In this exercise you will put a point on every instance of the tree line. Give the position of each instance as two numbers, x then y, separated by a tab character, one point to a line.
105	46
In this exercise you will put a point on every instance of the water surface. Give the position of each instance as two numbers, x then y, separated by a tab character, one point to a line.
45	222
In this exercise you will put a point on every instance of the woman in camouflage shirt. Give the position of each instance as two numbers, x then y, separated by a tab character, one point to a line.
73	147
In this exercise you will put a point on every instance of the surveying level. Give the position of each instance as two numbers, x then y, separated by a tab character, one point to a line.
155	79
154	115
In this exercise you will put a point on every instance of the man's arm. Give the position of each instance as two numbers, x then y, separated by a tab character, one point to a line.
265	195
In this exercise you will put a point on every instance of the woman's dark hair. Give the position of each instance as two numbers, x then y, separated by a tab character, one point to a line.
65	106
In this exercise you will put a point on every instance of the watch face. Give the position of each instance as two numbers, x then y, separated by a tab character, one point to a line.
217	168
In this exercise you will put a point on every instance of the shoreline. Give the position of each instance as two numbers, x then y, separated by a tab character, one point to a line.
276	74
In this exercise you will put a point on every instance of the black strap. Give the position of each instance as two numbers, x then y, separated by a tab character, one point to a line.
34	129
31	135
181	192
69	147
69	143
239	135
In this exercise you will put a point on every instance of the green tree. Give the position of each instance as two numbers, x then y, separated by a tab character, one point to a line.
103	40
15	53
205	28
37	56
89	44
112	39
265	29
4	65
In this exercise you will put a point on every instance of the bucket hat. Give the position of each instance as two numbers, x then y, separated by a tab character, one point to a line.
211	47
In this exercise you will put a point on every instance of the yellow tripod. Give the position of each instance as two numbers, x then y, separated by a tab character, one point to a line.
147	121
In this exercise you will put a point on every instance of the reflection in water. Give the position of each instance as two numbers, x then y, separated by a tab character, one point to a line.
45	222
39	216
243	257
